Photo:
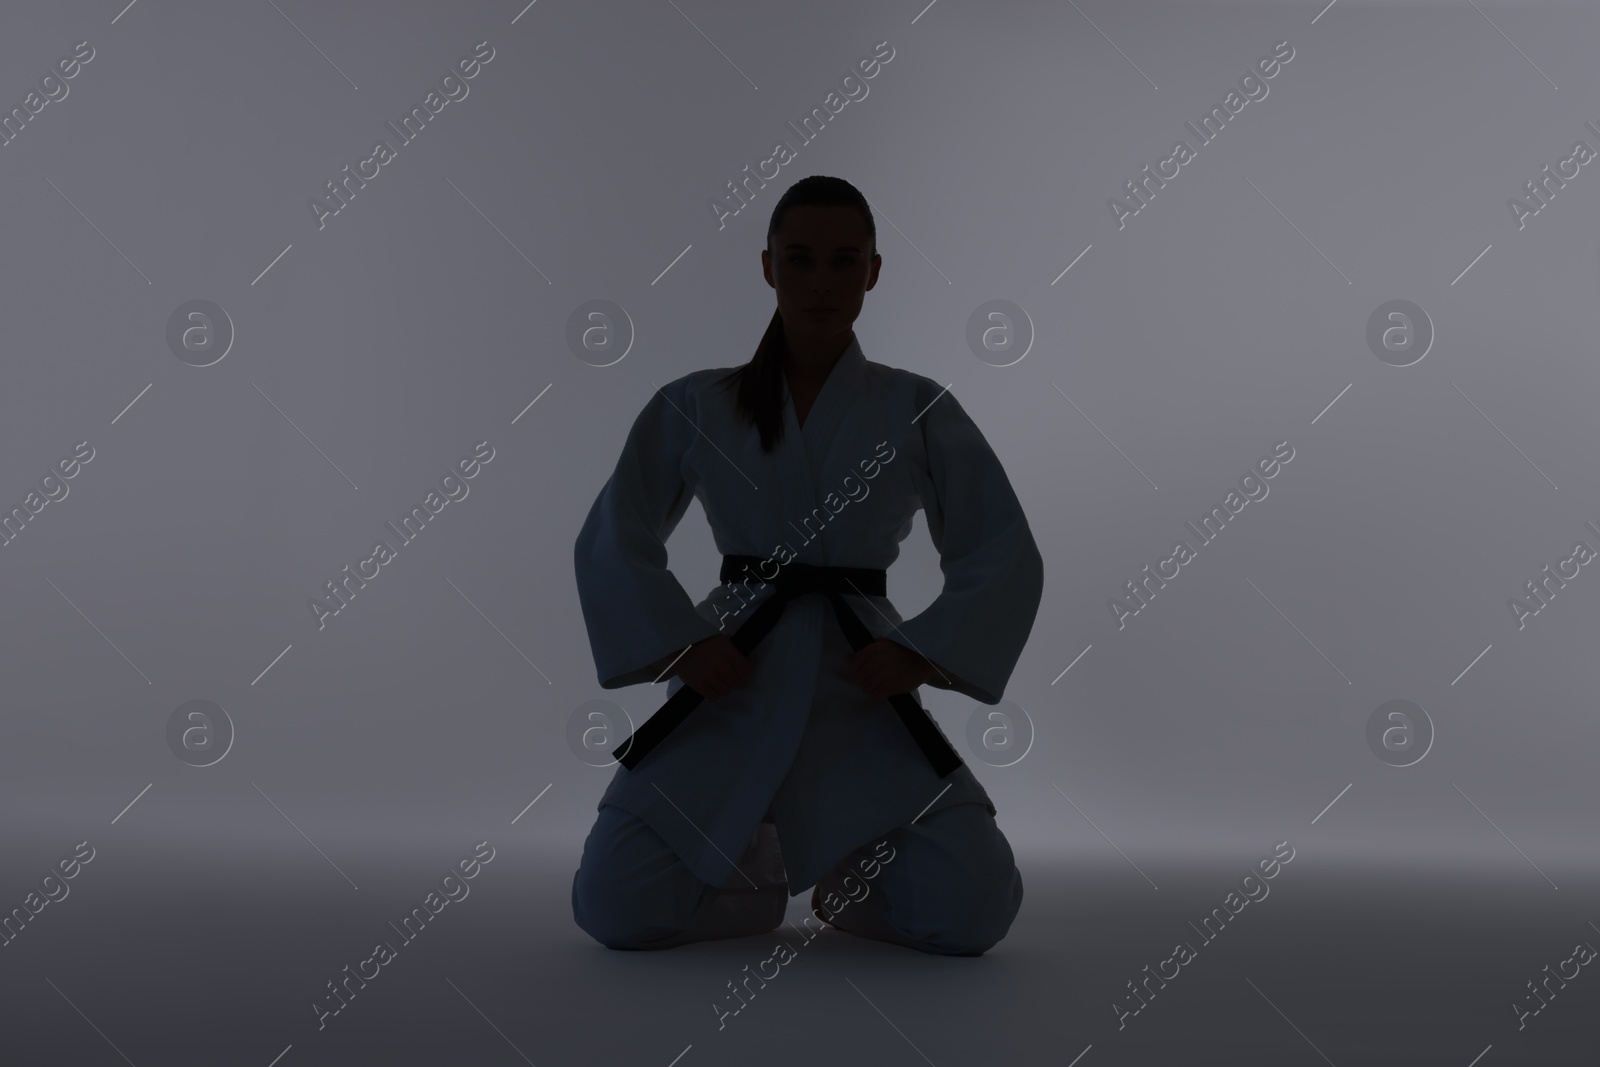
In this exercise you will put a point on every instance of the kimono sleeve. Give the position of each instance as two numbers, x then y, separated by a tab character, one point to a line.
976	628
634	608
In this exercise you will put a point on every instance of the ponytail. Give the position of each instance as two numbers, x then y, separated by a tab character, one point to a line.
760	384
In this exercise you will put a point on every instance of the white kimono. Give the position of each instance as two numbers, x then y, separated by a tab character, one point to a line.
836	768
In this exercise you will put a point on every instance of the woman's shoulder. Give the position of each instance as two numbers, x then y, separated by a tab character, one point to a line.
897	376
919	388
692	386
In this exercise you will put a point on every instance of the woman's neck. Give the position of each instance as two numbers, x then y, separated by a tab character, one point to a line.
810	359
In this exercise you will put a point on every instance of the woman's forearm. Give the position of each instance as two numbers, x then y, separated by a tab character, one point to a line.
662	664
943	679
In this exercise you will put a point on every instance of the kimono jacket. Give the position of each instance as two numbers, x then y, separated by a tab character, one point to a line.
800	740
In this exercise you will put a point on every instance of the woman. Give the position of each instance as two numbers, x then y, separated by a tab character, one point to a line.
810	463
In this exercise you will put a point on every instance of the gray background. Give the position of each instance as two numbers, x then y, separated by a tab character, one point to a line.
433	710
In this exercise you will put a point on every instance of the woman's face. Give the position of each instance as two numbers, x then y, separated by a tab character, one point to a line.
821	256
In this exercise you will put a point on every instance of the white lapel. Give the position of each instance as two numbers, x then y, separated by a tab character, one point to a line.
805	448
838	393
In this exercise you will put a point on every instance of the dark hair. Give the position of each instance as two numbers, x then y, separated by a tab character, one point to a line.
760	381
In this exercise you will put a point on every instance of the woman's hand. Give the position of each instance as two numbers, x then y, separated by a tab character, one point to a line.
886	668
713	667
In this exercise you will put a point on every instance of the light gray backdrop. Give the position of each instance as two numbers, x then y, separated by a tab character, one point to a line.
371	353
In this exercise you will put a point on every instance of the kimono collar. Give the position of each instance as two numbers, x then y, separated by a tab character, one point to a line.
839	391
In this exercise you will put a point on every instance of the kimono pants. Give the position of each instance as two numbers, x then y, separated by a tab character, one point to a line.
951	887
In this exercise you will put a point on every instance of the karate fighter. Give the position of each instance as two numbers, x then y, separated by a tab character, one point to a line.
792	750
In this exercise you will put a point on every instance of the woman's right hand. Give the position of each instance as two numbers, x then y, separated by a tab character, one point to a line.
713	667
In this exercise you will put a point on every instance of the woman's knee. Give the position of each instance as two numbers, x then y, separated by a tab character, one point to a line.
603	914
629	890
968	888
972	922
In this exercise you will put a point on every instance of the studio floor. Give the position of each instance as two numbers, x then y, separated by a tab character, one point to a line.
199	957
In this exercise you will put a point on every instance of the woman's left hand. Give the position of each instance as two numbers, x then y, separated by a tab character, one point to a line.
885	669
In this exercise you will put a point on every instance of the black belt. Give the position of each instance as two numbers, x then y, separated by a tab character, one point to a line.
796	579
